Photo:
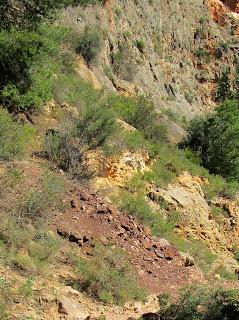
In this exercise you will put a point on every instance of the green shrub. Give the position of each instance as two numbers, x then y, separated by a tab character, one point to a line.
14	137
147	120
226	273
28	14
224	87
26	289
203	303
28	64
85	3
91	130
89	44
216	140
202	255
109	277
140	44
201	53
26	247
235	251
189	97
3	312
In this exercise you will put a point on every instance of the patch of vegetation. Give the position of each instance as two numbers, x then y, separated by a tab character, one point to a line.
201	53
215	140
217	214
226	273
107	275
235	251
164	226
203	303
189	97
26	244
202	255
140	44
85	3
39	202
14	137
147	120
89	44
26	289
28	64
175	117
28	14
89	131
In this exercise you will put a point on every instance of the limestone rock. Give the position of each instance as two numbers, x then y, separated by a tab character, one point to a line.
71	308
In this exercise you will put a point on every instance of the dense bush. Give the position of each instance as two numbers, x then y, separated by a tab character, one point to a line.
224	89
216	140
204	303
108	276
13	137
28	64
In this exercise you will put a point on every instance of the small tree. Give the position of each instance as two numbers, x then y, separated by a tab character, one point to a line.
216	140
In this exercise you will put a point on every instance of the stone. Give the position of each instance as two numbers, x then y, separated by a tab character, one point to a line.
71	308
151	316
188	260
71	292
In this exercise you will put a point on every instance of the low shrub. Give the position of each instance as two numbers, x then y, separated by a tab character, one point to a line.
140	44
203	303
147	120
89	131
123	64
41	201
25	247
89	44
108	276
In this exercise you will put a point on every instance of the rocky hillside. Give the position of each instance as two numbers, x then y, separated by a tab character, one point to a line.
170	50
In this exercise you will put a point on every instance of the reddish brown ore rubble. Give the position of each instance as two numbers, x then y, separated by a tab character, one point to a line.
159	264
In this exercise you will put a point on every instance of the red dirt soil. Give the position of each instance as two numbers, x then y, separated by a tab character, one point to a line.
160	266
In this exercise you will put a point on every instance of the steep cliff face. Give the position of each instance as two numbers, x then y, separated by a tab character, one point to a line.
167	49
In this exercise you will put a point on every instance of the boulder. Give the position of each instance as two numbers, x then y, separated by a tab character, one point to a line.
72	309
187	259
151	316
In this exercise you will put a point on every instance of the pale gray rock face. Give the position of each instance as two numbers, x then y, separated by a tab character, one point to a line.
167	66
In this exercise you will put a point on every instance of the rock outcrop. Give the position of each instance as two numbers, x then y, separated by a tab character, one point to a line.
220	230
